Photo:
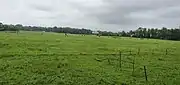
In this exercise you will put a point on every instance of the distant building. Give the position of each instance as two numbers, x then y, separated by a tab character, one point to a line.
95	32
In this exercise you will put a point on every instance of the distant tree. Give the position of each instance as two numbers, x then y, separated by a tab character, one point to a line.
124	34
1	27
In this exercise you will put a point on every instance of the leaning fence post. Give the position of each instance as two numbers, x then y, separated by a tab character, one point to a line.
145	73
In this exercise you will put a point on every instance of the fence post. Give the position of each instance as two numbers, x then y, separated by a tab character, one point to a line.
120	59
145	73
133	66
166	51
152	51
130	52
138	51
109	61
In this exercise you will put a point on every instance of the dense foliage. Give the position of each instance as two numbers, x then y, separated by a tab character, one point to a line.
154	33
164	33
4	27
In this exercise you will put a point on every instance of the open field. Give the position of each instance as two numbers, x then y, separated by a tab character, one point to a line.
29	58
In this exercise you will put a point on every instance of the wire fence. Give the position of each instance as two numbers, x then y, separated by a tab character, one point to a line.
118	57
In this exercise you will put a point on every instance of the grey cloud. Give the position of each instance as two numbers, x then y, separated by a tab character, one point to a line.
119	11
171	13
111	15
132	13
44	8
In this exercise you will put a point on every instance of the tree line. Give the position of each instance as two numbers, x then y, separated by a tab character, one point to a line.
153	33
5	27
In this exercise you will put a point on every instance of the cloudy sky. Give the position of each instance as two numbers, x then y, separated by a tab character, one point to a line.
110	15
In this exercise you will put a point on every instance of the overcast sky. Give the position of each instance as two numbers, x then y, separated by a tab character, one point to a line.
110	15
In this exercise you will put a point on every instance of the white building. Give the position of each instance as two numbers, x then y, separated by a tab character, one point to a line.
95	32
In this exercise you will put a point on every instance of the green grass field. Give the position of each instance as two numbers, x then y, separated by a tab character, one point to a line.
30	58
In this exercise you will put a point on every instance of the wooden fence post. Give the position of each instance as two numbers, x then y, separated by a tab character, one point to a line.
145	73
152	51
138	51
109	61
130	52
166	51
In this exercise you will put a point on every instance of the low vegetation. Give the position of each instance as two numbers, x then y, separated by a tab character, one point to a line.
32	58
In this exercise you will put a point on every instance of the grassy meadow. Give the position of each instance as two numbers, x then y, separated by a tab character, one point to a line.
29	58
